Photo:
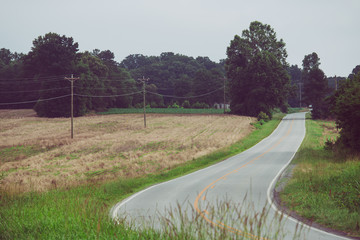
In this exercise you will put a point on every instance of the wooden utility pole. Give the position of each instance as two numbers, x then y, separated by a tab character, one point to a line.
224	79
72	79
300	93
144	80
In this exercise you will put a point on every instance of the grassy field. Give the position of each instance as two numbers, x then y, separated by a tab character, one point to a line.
325	186
81	212
38	153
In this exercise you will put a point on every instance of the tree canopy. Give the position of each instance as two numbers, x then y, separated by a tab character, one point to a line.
256	66
346	108
315	86
37	79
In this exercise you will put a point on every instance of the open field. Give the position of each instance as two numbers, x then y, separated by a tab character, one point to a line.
38	153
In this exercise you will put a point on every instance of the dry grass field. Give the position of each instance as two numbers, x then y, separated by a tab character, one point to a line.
38	153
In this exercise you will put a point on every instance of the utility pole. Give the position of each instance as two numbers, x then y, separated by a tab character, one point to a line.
336	87
300	93
144	80
224	78
72	79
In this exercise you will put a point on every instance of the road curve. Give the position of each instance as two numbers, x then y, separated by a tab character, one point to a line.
245	180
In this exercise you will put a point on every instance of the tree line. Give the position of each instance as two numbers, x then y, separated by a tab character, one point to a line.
259	79
37	79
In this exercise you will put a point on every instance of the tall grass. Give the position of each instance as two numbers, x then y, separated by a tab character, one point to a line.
82	212
325	187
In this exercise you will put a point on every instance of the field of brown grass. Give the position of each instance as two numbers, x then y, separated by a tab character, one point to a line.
38	153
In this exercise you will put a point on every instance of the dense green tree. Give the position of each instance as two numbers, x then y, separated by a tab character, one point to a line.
204	81
175	75
93	74
256	66
13	87
52	56
295	98
118	78
315	86
355	71
346	108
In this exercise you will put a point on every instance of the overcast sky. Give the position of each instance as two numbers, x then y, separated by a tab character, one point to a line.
331	28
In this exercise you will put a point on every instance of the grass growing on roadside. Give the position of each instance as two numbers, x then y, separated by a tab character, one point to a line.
82	212
325	187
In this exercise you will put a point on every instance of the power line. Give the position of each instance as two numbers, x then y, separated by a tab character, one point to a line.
202	95
40	90
34	101
27	79
118	95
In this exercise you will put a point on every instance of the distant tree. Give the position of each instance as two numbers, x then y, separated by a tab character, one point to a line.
152	96
175	75
256	66
346	108
52	55
205	81
13	86
315	86
5	56
106	56
93	75
297	86
355	71
134	61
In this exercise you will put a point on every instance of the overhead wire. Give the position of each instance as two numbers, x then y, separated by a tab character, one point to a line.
172	96
118	95
39	90
34	101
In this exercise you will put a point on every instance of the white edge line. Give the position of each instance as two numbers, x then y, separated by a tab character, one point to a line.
288	216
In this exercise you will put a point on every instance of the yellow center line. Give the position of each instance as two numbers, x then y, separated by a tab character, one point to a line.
212	185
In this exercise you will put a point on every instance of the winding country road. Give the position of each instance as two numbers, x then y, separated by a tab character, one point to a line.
246	179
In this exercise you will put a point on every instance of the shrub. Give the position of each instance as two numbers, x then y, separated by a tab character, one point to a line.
186	104
174	105
263	116
198	105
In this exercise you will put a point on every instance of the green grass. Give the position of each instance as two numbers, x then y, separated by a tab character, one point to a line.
325	187
82	212
163	111
17	153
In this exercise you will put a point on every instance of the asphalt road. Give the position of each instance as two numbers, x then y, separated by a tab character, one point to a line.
223	195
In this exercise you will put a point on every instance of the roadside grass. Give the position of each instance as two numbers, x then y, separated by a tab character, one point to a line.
325	187
82	212
163	111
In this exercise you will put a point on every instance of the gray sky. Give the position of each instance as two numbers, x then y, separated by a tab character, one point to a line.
190	27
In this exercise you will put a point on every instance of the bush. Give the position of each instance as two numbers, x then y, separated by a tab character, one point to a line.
174	105
263	116
198	105
186	104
